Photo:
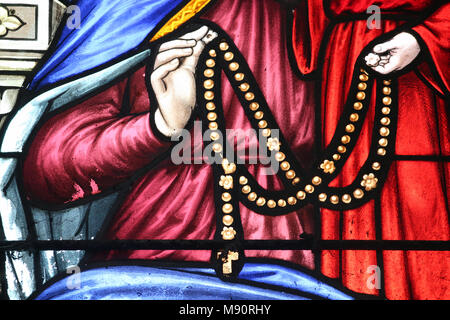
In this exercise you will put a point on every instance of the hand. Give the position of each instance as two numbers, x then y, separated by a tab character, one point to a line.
395	54
173	79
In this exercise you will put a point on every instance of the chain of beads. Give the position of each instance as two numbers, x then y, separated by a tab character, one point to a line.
300	189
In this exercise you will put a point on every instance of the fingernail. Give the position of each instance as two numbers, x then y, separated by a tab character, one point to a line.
377	48
187	50
191	42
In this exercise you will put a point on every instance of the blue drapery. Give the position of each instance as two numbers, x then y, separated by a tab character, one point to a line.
108	30
260	282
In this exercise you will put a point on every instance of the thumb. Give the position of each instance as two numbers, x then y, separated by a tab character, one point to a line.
160	73
385	46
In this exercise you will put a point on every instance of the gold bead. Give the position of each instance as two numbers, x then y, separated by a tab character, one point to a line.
271	204
252	196
345	139
224	46
279	156
336	157
210	106
381	152
212	116
316	180
383	142
260	202
209	73
259	115
209	95
282	203
208	84
243	180
254	106
239	76
246	189
346	198
213	126
214	136
358	193
363	77
387	82
227	208
285	166
360	95
292	201
226	196
358	106
385	110
387	101
354	117
263	124
266	132
228	56
244	87
334	199
290	174
376	166
384	132
309	188
349	128
363	71
341	149
233	66
212	53
249	96
210	63
217	147
296	181
227	220
322	197
387	91
301	195
385	121
362	86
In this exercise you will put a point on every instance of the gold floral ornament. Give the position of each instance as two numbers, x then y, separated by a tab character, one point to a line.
226	182
228	167
228	233
328	166
8	22
273	144
369	181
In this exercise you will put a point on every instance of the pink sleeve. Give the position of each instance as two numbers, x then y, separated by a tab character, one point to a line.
90	148
434	35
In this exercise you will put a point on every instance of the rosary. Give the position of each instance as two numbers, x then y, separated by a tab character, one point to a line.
233	182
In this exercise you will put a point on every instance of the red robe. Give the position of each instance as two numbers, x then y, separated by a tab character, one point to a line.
414	203
105	140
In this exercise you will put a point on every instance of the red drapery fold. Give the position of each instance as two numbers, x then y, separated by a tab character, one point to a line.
412	205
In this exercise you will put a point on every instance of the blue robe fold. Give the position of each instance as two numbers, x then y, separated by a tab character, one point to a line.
256	281
108	30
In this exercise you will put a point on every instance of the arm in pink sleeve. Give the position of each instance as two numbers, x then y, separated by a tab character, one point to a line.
89	148
434	35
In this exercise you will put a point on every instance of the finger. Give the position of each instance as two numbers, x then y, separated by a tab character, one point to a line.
191	61
169	55
385	69
197	34
160	73
383	47
178	43
210	36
